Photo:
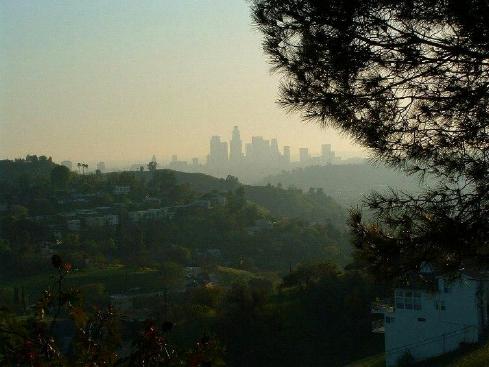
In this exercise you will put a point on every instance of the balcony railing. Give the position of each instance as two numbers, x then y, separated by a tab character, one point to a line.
382	306
378	326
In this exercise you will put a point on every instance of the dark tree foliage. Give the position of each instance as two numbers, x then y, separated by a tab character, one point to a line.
60	176
409	80
37	338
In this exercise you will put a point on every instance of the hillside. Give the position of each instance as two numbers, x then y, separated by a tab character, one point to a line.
201	182
345	183
312	205
30	167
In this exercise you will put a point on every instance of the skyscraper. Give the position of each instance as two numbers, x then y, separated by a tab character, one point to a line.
326	156
218	156
275	153
259	152
287	154
101	166
236	147
303	155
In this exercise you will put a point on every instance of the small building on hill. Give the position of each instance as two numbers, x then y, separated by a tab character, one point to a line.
121	190
432	315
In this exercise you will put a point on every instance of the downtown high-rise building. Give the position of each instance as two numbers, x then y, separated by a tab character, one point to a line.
304	155
236	147
274	152
287	154
218	156
259	150
259	158
327	154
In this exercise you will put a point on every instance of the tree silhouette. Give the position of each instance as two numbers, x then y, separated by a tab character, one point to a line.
152	166
409	80
60	176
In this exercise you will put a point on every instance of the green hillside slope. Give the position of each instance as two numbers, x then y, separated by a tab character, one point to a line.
470	356
310	205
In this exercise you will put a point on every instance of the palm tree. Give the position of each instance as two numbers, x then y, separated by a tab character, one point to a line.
79	165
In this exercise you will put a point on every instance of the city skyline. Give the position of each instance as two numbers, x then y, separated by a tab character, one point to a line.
236	151
123	81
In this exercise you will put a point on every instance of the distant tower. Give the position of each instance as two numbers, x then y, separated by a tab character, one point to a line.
236	147
195	161
275	153
101	166
287	154
259	150
224	152
174	158
218	155
248	150
67	164
326	154
153	159
303	155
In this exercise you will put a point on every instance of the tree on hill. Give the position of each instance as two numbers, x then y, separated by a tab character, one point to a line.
152	166
410	81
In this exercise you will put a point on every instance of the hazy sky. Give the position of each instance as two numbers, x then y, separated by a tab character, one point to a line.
121	80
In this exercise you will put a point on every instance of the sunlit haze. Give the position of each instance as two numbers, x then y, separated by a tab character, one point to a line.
121	81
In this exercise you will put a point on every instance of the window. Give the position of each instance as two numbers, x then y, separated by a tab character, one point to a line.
389	320
408	300
421	319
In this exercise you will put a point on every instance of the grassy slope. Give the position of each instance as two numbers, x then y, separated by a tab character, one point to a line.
374	361
117	279
114	279
477	358
470	357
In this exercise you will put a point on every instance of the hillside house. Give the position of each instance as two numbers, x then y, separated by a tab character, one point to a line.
121	190
147	215
432	315
102	220
260	226
73	225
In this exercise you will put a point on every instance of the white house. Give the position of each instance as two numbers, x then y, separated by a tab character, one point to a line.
121	190
433	315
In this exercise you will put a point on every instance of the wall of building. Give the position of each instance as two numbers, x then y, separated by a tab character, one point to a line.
433	323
